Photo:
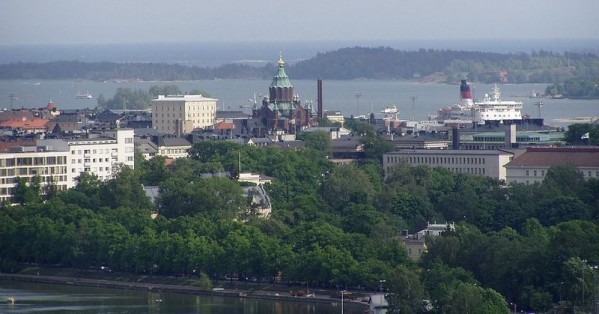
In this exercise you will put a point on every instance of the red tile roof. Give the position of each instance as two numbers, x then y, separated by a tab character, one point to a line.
553	156
5	145
224	125
25	124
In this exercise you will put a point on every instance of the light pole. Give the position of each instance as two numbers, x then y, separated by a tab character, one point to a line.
595	303
358	95
342	293
413	98
584	265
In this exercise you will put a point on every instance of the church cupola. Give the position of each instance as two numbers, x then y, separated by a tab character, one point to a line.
280	89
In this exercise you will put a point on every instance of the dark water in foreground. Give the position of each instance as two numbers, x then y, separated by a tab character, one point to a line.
47	298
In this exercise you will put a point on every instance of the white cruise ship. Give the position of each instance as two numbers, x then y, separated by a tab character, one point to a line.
491	110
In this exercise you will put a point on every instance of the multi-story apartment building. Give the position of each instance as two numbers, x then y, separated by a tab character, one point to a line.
531	166
488	163
31	161
182	114
99	154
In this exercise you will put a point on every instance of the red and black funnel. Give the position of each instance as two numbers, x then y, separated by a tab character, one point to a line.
465	92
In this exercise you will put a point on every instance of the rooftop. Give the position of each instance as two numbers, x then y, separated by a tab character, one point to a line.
183	98
553	156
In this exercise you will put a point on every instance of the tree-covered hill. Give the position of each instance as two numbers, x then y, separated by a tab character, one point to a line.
345	64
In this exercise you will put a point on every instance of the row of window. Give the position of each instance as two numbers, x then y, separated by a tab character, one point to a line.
468	170
88	169
47	179
439	160
588	173
96	151
87	160
179	108
195	122
189	115
32	161
32	171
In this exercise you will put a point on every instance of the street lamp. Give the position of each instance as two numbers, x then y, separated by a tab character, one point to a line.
595	303
342	293
358	95
413	98
381	282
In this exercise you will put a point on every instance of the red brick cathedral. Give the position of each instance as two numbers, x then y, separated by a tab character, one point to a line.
281	109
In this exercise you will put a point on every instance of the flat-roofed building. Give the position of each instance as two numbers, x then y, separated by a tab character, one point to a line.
100	154
531	166
488	163
182	114
28	162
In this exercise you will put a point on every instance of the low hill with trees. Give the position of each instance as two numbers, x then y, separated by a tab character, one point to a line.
347	64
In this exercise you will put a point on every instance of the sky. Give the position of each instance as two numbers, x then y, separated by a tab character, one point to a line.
24	22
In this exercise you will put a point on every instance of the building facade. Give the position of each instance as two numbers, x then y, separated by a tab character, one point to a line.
28	162
532	166
488	163
100	154
281	109
183	113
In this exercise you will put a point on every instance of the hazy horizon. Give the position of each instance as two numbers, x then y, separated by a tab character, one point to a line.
24	22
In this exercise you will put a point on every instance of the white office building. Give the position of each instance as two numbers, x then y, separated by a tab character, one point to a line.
488	163
183	113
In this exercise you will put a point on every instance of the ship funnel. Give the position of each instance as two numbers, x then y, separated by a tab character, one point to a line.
465	92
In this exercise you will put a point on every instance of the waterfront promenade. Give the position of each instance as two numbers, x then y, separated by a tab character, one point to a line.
263	294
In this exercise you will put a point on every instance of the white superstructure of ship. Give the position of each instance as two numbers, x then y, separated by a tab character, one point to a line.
490	110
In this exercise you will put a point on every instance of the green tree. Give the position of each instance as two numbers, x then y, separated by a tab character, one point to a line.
168	89
124	190
406	292
319	140
26	192
563	180
347	184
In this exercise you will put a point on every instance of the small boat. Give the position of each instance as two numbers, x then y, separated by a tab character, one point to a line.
85	95
10	300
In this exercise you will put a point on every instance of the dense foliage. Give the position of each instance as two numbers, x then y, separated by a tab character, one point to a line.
126	98
577	73
331	225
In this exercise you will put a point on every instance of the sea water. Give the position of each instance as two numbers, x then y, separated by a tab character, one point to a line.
354	98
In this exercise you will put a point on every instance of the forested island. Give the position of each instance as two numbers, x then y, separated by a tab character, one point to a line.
332	226
572	75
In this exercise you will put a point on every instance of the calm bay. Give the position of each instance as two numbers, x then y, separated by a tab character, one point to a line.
48	298
358	97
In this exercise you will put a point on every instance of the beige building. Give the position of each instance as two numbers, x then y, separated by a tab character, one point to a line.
488	163
28	162
183	113
531	166
416	244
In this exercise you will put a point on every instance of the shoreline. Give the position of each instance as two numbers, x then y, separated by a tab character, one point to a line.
233	293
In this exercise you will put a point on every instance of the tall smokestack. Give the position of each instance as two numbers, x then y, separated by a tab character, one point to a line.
455	138
465	92
319	100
